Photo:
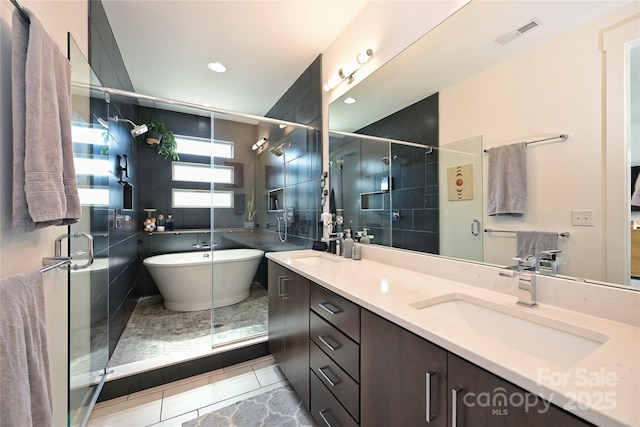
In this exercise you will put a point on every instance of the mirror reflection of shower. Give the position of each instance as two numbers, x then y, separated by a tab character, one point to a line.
283	220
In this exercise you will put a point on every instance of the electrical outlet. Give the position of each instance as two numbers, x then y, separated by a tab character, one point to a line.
582	217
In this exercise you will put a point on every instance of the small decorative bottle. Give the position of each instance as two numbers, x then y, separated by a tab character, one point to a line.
160	223
348	245
169	223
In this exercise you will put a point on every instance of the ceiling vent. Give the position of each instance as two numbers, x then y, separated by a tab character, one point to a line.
512	35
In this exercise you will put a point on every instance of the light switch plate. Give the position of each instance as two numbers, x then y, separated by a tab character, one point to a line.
583	217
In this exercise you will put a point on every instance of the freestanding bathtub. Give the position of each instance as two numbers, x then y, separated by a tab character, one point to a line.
184	279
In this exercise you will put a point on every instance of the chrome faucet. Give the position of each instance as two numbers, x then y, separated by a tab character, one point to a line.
525	263
526	280
527	289
549	262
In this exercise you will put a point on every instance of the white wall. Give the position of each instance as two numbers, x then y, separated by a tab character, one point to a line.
555	88
22	252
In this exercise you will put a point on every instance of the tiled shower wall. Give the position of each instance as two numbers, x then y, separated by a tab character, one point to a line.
414	176
301	104
121	244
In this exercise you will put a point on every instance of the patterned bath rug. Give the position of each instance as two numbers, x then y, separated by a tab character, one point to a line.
277	408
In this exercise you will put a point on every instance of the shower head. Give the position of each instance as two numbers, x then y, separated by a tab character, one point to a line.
385	160
137	129
104	123
278	150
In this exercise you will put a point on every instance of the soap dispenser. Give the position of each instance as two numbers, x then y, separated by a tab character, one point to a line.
348	245
365	237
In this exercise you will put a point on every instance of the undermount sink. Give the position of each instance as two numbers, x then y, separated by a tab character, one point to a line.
548	339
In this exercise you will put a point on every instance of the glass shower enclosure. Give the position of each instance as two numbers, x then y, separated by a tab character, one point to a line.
87	243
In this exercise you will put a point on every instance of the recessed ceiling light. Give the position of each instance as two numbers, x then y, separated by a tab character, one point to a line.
349	100
217	67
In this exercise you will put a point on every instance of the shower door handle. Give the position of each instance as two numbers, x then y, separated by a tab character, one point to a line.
58	248
475	227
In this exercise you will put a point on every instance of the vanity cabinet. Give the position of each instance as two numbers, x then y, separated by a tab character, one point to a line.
352	367
288	296
403	376
334	331
478	397
406	380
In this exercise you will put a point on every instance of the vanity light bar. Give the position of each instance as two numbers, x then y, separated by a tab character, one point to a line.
347	72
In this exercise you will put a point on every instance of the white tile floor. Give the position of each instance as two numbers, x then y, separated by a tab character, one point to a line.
172	404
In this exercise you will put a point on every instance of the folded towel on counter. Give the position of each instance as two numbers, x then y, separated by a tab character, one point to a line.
25	388
45	190
532	242
635	197
507	184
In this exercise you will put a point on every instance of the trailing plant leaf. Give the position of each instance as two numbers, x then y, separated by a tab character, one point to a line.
251	209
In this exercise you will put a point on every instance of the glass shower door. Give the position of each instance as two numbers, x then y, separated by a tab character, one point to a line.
87	240
461	202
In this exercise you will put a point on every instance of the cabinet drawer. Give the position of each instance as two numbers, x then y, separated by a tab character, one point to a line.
338	311
341	385
325	408
336	345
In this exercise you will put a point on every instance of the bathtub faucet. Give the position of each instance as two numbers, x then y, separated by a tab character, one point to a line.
203	245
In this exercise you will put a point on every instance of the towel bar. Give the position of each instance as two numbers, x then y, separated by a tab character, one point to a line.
56	262
490	230
21	10
562	136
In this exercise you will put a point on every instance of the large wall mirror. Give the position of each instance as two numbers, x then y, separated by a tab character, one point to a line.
493	74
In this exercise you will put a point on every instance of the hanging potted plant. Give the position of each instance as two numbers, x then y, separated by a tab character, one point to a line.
161	139
251	211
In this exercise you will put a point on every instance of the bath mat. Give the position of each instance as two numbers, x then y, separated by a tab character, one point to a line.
276	408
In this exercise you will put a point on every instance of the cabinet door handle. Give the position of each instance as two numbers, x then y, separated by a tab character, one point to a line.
324	417
326	377
323	339
280	291
332	310
429	414
454	406
283	292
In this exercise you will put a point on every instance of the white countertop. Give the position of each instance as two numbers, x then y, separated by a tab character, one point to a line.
603	387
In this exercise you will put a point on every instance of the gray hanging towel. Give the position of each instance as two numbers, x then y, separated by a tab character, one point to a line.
507	184
532	242
45	190
24	359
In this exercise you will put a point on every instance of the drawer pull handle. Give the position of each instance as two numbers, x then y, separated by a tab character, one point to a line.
324	417
428	413
454	406
332	310
323	339
285	294
326	377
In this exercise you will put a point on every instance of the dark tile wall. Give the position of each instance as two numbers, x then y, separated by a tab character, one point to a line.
121	244
414	178
302	104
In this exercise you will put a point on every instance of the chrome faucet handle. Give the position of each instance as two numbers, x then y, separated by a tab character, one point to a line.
527	261
549	255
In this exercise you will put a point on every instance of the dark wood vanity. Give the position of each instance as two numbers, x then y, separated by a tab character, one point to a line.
352	367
